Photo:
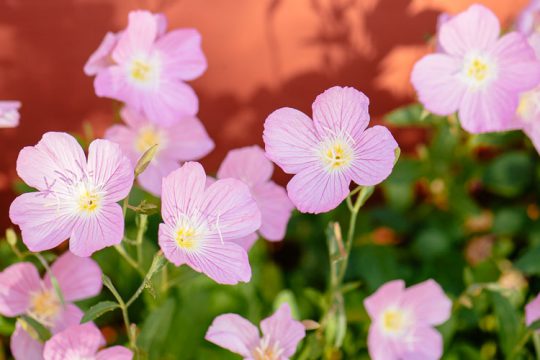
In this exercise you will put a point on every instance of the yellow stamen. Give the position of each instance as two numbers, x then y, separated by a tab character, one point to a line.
141	71
45	305
88	201
147	138
186	237
478	70
393	321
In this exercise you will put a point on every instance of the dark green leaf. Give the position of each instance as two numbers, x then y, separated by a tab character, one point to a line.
42	332
98	310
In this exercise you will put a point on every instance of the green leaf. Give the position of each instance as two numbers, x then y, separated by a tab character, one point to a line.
409	115
145	159
151	338
535	325
509	324
98	310
509	174
41	331
528	263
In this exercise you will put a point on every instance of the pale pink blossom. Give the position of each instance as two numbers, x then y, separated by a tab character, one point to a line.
250	165
9	114
403	321
147	69
76	198
83	342
528	21
280	335
199	223
184	141
23	292
477	74
532	311
326	154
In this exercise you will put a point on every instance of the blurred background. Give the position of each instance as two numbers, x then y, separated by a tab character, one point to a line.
262	55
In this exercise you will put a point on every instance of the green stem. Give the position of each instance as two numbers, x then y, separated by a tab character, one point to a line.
143	221
125	315
536	342
120	249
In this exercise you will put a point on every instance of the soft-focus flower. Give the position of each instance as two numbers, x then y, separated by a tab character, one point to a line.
22	291
441	20
479	75
76	198
83	342
532	311
147	69
199	223
9	114
281	335
330	151
402	321
250	165
528	21
184	141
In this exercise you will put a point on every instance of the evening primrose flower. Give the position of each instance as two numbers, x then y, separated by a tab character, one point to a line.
9	114
23	292
250	165
83	342
184	141
199	223
477	74
326	154
148	69
402	321
528	21
76	197
281	335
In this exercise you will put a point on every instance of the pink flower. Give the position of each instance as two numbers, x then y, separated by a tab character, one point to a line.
200	223
532	311
9	114
528	21
478	75
181	142
23	292
281	335
102	57
76	198
82	342
148	69
402	321
330	151
250	165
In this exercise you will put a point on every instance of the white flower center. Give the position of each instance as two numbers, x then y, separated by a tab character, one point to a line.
529	105
189	233
45	306
144	71
394	322
478	71
89	199
336	154
76	355
147	137
267	351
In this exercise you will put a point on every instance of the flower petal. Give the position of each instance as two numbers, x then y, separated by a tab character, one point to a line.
276	209
174	101
248	164
439	88
281	328
388	294
428	302
290	140
17	283
183	191
95	232
234	333
379	346
138	38
477	28
25	347
152	178
110	169
246	242
70	315
115	353
374	156
182	54
423	343
314	190
56	156
45	221
125	138
100	58
230	210
341	111
168	245
78	278
188	140
532	311
83	340
224	262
